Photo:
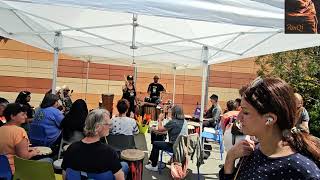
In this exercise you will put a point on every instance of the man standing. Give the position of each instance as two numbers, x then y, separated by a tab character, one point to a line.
213	114
155	89
66	99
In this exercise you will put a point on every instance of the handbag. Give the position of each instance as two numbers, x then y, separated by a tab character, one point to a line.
178	170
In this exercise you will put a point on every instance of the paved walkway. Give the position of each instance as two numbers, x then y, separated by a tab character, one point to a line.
209	170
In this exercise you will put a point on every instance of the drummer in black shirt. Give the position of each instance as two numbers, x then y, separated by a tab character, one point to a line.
130	94
155	89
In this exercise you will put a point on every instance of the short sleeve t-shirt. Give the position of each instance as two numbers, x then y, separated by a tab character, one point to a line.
124	125
155	89
174	128
50	118
93	158
260	166
11	135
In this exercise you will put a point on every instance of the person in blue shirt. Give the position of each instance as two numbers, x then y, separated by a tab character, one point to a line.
49	117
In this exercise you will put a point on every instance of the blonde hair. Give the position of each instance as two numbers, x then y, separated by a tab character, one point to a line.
298	97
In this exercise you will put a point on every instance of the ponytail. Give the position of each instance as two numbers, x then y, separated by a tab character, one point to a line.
304	143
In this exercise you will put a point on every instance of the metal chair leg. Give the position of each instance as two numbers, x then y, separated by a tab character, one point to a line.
160	162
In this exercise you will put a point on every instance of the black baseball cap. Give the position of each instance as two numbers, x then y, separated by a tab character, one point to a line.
129	77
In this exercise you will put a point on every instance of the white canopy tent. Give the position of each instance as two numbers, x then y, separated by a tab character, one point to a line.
161	34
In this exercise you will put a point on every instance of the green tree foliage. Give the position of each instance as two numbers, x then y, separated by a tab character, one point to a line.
301	69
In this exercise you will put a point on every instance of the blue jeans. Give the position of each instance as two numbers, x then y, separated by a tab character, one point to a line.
157	146
125	168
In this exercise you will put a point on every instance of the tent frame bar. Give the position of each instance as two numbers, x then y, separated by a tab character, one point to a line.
72	29
100	46
30	27
87	77
174	84
195	42
95	35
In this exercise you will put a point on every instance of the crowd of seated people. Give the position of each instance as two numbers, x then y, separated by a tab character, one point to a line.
85	129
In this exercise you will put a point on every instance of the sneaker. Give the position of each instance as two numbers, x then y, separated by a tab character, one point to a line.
151	168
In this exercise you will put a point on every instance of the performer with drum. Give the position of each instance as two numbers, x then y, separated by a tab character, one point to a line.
130	94
155	89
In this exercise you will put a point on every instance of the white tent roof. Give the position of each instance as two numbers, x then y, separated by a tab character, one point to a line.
168	32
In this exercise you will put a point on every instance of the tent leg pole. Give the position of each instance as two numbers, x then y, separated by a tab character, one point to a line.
204	59
174	84
87	78
135	74
57	40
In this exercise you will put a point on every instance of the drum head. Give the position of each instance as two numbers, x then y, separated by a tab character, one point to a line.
108	94
195	124
132	155
43	150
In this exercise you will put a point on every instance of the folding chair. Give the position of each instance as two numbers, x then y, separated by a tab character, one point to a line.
76	175
62	143
30	169
37	135
5	170
160	163
121	142
215	135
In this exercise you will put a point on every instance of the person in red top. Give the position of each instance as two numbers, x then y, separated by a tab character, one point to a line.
229	114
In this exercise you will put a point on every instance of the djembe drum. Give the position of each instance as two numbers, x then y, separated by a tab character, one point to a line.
153	111
191	129
196	126
107	102
134	158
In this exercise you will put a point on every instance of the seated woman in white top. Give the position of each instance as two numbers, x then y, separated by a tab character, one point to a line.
122	124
